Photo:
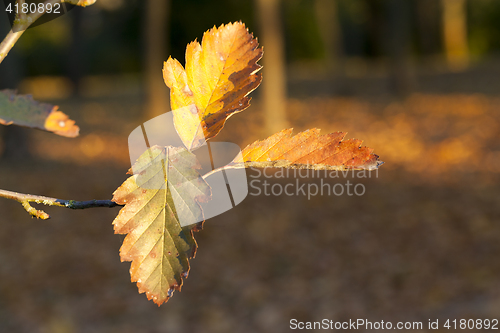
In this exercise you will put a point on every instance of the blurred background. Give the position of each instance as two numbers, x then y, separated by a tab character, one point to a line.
417	80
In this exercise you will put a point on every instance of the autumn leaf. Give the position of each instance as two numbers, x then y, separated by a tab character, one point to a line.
219	75
307	150
22	110
160	214
82	3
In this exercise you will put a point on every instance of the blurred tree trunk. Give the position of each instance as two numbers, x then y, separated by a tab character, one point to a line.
428	26
398	46
156	39
455	33
274	82
331	35
76	65
329	25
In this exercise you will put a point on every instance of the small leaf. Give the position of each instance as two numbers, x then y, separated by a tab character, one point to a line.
308	150
219	75
82	3
160	198
22	110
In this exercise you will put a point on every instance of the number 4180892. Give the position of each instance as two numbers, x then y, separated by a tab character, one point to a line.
472	324
32	8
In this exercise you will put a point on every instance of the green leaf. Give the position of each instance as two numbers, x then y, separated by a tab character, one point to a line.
161	212
22	110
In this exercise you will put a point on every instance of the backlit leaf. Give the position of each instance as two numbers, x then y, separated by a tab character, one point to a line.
82	3
160	214
308	150
22	110
219	75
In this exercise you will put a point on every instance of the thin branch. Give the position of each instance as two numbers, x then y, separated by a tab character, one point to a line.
23	21
8	43
25	199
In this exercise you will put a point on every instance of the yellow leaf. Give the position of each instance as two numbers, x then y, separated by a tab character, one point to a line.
160	214
82	3
219	75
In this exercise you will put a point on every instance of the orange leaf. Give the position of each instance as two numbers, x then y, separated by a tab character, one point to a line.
308	150
60	124
22	110
219	75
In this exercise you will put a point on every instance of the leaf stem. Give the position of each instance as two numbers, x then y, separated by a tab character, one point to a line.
226	167
25	199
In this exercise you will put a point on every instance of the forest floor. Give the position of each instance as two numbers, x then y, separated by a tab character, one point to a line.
421	243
